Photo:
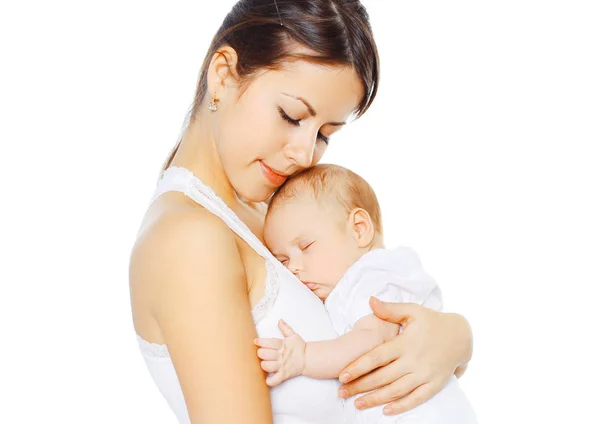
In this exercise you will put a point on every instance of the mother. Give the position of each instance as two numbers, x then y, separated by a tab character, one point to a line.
278	81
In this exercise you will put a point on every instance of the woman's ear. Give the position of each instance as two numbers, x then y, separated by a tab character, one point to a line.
222	75
362	227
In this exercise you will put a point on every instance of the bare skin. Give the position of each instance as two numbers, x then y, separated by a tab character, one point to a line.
185	257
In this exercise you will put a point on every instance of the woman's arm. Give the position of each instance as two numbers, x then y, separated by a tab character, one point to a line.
201	304
416	364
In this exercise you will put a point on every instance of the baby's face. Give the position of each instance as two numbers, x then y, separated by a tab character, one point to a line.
314	241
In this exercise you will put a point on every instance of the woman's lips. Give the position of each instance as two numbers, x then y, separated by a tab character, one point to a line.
273	177
311	286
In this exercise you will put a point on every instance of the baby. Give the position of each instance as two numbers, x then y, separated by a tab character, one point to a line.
324	225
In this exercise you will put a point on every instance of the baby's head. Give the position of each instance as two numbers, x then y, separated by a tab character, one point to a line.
320	222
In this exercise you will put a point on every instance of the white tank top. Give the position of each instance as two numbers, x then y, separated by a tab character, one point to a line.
300	400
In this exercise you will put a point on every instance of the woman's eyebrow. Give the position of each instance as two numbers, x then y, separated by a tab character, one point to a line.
311	109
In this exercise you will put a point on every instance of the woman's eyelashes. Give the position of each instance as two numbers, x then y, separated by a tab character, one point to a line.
296	123
286	117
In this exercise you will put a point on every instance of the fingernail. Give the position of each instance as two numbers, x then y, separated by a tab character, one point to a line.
388	410
377	301
344	377
343	393
360	404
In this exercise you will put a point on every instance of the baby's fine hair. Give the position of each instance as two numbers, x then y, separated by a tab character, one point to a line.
335	183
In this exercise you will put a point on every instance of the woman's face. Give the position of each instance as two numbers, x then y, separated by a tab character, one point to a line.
281	123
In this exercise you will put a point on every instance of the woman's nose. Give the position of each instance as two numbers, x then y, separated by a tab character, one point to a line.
301	151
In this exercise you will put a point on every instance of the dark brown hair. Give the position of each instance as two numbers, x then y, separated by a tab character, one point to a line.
262	32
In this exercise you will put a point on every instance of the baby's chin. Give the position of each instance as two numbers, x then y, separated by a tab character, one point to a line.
320	292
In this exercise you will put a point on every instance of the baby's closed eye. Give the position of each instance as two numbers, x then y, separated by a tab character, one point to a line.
306	245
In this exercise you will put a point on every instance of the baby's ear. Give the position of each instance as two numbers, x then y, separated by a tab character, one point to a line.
362	227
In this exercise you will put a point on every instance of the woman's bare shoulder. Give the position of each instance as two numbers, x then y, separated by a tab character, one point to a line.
188	275
182	235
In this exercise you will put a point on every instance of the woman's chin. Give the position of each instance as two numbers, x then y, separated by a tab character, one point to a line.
254	193
259	197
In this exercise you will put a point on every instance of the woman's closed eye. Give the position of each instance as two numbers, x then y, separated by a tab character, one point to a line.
296	123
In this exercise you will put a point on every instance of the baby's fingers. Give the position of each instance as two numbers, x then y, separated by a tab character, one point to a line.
269	343
270	366
268	354
285	329
275	379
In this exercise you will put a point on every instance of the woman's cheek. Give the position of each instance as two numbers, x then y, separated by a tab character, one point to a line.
318	153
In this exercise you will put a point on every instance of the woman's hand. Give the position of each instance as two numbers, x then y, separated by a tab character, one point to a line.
415	365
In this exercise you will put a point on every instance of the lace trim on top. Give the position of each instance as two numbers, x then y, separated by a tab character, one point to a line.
200	193
154	350
271	290
195	189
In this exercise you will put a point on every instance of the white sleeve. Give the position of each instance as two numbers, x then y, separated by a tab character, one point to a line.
404	282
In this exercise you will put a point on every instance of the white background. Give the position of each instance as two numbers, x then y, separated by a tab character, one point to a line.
482	146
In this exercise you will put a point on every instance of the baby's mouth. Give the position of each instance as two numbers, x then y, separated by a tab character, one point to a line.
310	285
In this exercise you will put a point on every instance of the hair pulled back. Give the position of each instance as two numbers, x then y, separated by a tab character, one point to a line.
263	33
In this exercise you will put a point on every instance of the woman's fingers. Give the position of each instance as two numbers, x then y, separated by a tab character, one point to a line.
398	313
269	354
421	358
391	392
285	329
270	366
376	379
269	343
378	357
418	396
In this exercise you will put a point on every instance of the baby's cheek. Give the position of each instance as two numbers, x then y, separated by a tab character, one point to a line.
337	269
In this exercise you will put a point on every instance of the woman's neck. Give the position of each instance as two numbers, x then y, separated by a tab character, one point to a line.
198	153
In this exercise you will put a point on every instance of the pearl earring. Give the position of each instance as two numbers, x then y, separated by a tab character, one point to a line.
212	105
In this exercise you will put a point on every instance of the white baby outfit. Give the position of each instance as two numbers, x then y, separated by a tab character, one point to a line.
393	275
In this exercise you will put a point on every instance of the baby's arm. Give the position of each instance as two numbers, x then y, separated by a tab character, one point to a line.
292	356
326	359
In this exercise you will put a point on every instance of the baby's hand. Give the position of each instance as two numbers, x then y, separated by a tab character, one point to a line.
283	358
